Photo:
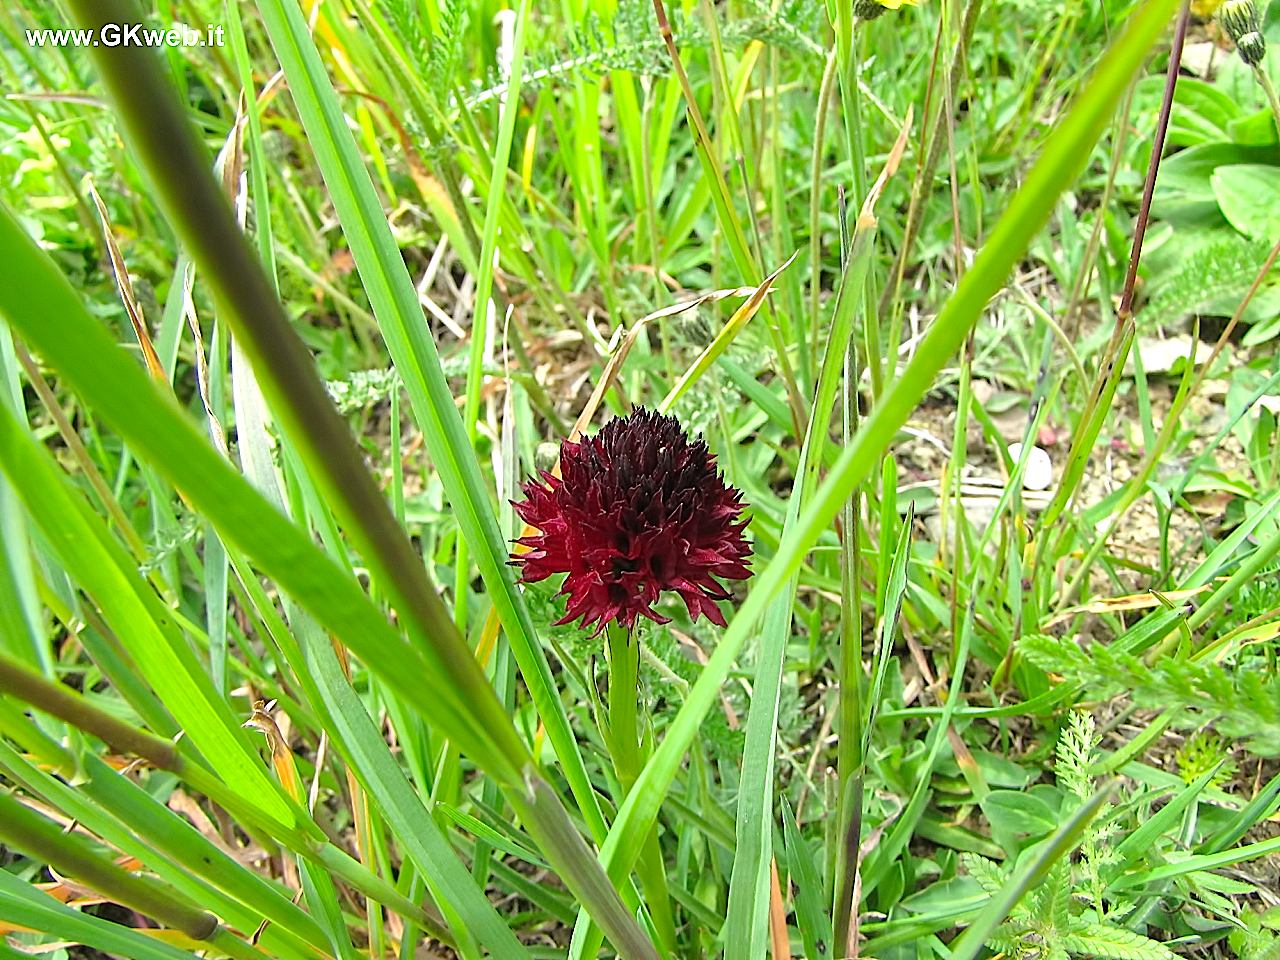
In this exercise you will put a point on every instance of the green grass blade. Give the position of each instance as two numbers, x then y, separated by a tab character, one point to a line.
811	916
71	854
746	923
105	571
171	845
49	314
1138	843
395	304
1063	158
1204	861
489	238
160	133
26	906
1259	808
468	913
467	706
322	900
425	843
20	632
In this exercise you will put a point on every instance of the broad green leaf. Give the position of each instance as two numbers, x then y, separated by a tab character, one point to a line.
1019	813
1249	197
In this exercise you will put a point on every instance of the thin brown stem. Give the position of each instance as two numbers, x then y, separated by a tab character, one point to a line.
1125	310
61	701
932	136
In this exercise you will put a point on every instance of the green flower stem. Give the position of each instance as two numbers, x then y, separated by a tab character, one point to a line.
629	758
624	682
1264	81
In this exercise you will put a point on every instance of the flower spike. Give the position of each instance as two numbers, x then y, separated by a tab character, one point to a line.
639	509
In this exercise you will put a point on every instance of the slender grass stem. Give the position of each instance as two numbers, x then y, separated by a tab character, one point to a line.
1268	88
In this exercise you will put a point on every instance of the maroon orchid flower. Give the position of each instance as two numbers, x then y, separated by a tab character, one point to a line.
639	509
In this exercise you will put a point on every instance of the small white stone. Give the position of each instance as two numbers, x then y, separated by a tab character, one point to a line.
1039	471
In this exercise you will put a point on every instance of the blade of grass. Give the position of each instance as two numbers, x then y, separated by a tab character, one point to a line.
850	829
328	686
395	304
726	336
1063	158
20	682
812	918
1138	843
73	855
162	137
158	650
746	922
101	794
25	906
484	280
54	320
725	214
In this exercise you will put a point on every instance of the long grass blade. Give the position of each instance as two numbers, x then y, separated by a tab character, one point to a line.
395	304
1062	160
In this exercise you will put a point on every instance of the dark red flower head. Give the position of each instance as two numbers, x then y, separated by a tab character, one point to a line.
640	508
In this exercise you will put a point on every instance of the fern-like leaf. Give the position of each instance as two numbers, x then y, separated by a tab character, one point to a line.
1223	269
986	872
1053	900
1075	754
1114	943
1244	703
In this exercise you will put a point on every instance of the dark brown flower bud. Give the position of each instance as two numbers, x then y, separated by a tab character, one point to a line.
639	509
868	9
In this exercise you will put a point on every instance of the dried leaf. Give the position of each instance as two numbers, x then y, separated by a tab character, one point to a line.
125	288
